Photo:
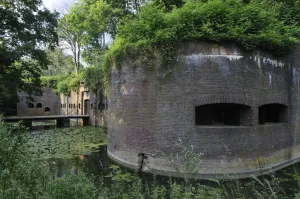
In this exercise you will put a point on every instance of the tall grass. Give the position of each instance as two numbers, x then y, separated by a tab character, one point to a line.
23	176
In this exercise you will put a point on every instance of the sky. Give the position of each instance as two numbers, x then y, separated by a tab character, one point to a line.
58	5
63	6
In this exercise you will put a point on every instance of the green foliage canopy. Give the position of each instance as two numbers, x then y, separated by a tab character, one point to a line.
64	83
25	29
91	76
163	24
253	25
59	63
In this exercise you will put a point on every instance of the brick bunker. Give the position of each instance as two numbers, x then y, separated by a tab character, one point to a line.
239	109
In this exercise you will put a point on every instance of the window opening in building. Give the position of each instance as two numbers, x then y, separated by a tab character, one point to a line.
87	107
30	105
273	113
91	105
39	105
220	114
61	105
79	105
47	109
104	106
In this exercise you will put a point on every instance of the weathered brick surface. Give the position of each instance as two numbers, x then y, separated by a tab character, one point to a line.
84	102
148	111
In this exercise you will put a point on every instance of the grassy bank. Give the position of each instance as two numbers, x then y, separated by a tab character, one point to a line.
24	176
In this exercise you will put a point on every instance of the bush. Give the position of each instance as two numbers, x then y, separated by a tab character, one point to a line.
22	176
253	25
67	83
50	81
71	186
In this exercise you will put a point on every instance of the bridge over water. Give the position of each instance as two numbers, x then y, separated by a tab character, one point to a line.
61	120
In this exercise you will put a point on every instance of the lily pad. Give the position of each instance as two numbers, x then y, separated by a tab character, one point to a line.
66	142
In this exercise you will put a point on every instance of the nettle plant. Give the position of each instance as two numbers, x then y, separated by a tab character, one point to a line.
186	161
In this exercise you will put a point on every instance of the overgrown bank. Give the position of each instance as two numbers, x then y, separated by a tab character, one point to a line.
23	176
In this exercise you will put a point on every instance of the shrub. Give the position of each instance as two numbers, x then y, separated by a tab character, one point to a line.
255	24
22	176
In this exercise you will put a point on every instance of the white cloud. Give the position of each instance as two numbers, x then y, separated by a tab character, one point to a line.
61	6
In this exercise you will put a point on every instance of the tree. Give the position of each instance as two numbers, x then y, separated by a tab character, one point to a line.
59	63
83	29
71	39
26	27
168	5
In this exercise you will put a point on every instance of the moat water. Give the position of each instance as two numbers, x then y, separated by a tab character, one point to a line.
77	149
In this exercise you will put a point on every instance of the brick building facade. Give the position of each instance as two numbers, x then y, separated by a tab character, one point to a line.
84	102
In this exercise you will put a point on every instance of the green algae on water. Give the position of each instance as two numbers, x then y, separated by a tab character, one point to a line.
66	142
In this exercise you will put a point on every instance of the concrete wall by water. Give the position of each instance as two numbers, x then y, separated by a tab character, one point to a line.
49	101
148	111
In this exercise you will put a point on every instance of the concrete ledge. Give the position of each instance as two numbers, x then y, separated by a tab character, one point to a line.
161	166
221	127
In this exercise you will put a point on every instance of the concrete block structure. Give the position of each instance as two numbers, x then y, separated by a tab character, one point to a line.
240	109
48	104
81	102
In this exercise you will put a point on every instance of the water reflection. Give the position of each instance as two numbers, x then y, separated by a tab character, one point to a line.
94	163
99	165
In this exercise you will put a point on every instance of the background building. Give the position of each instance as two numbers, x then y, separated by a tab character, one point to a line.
48	104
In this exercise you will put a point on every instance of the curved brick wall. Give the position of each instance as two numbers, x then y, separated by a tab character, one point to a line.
148	111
